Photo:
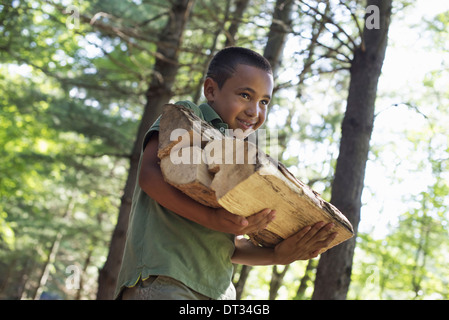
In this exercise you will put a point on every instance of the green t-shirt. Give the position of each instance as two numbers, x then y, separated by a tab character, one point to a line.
161	242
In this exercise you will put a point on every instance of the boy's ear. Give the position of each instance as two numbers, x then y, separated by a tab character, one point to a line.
210	87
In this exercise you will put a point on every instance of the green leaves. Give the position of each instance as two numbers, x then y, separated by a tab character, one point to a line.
64	155
71	100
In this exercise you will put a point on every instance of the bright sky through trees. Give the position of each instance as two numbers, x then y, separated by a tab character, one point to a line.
409	58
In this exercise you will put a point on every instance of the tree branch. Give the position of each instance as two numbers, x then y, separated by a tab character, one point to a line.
354	17
331	21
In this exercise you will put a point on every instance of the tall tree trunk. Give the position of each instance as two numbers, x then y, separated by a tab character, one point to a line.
335	266
276	281
158	93
53	252
280	27
240	284
83	272
317	28
212	50
422	250
46	267
311	266
240	7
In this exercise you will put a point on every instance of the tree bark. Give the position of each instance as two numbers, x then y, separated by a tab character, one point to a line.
240	7
244	273
212	51
276	281
274	48
335	266
83	273
311	266
280	27
158	93
46	267
52	253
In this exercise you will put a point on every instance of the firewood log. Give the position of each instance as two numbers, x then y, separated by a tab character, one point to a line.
193	179
220	171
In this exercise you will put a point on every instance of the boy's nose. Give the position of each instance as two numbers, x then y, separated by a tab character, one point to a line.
252	110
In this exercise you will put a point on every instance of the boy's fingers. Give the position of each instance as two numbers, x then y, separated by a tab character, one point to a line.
331	238
257	217
264	212
233	218
241	221
311	231
324	234
314	254
299	235
325	243
260	220
319	231
263	216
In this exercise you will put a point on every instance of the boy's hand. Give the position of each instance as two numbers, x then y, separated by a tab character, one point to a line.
224	221
305	244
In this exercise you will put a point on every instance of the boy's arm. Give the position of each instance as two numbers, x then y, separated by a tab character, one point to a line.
303	245
152	183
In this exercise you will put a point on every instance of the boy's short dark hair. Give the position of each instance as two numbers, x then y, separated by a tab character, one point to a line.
225	62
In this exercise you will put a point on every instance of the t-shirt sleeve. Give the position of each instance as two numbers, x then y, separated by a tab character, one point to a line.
154	128
190	105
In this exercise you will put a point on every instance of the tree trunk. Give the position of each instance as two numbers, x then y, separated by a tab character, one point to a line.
274	48
46	267
52	253
230	33
244	273
83	273
159	93
212	51
240	7
276	281
311	266
280	27
317	28
334	269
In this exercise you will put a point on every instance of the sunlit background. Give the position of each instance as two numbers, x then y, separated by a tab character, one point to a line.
406	180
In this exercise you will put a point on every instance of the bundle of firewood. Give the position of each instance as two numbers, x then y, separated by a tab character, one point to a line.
223	171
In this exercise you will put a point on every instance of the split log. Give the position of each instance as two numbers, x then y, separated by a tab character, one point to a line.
191	178
220	171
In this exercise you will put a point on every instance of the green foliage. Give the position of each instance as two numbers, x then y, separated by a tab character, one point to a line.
64	156
71	100
407	264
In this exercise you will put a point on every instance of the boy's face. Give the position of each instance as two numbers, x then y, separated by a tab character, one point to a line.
243	100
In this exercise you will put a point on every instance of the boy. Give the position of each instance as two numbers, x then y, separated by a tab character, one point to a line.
178	248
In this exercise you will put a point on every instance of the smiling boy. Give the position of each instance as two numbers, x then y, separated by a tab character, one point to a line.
177	248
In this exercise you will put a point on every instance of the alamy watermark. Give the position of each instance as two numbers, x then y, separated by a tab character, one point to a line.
73	280
372	17
73	20
372	20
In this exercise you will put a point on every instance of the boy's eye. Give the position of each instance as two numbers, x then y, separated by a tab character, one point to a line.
244	95
265	102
